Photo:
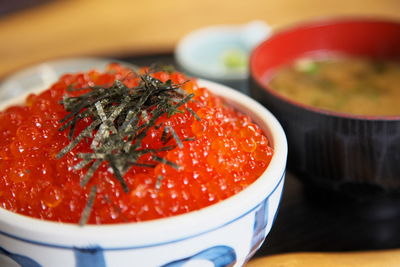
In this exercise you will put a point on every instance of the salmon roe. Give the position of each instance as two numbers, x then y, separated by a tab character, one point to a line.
224	153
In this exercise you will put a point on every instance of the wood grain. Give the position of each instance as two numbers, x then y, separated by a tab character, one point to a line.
387	258
64	28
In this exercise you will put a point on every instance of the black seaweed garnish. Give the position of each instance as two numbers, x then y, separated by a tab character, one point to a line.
121	117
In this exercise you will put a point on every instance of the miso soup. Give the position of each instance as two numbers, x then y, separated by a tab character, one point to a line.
358	86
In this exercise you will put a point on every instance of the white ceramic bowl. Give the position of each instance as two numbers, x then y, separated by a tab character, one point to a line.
224	234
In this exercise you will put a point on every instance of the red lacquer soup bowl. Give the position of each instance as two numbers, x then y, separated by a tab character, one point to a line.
355	156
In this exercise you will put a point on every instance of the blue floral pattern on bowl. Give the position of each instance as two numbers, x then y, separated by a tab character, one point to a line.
226	254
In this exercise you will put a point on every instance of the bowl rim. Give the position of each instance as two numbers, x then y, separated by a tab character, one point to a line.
312	23
164	230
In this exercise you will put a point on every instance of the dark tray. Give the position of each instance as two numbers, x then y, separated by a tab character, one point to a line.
311	220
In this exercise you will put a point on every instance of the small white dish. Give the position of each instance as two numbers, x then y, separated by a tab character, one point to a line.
221	52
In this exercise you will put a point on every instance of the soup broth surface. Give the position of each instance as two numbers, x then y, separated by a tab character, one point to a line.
359	86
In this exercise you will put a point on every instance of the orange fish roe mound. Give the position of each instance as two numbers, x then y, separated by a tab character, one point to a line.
221	152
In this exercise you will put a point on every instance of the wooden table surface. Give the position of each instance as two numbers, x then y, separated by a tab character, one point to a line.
129	29
65	28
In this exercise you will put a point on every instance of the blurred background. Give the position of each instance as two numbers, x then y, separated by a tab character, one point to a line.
32	31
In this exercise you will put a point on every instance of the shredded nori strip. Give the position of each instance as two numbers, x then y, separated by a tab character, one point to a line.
159	182
165	161
175	136
193	113
89	205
